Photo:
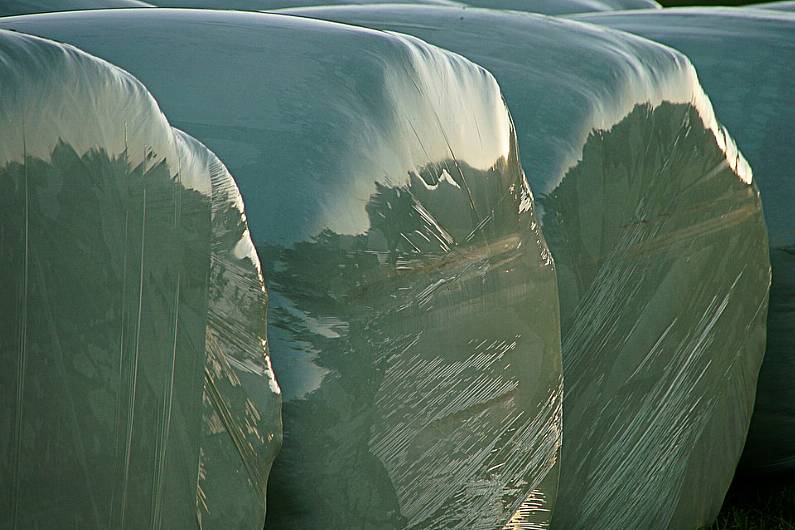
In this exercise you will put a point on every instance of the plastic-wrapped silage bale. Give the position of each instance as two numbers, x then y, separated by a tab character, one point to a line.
745	59
657	233
132	326
413	303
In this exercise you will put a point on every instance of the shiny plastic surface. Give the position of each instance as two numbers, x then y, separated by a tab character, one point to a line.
26	7
560	7
657	232
132	322
242	409
414	321
256	5
745	59
548	7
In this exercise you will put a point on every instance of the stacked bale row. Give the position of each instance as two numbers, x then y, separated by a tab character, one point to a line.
432	351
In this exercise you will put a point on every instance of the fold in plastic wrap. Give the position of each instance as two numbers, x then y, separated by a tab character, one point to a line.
413	303
660	247
745	60
122	246
26	7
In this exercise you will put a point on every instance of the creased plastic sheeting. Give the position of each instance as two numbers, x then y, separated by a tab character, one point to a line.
256	5
560	7
413	303
26	7
656	229
548	7
744	58
241	420
112	224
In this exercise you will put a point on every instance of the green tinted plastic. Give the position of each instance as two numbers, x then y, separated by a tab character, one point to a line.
26	7
125	256
547	7
413	303
658	238
744	58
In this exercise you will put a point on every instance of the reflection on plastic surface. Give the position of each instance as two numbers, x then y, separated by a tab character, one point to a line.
744	58
561	7
413	302
26	7
122	244
242	425
547	7
659	244
255	5
657	404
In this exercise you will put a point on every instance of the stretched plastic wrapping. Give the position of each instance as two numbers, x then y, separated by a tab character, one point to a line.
136	388
548	7
26	7
660	248
558	7
414	321
255	5
745	60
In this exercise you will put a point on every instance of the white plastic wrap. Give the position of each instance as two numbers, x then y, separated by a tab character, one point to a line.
413	303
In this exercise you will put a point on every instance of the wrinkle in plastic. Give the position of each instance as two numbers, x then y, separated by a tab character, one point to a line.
547	7
656	229
414	321
744	59
561	7
118	244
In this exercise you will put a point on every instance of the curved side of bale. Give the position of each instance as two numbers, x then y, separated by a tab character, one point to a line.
414	319
743	57
113	255
657	233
